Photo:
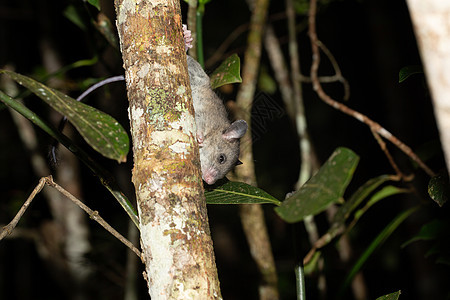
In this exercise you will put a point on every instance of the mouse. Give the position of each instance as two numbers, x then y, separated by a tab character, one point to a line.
218	138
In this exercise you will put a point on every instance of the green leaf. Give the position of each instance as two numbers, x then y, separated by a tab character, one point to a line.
323	189
101	131
105	178
349	206
393	296
203	2
407	71
437	231
78	64
43	76
95	3
228	72
441	248
434	249
238	193
201	6
385	192
430	231
378	241
301	7
266	83
72	14
445	260
439	189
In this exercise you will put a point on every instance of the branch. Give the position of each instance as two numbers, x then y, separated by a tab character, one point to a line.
105	178
252	216
10	227
430	24
281	71
92	214
175	237
338	74
374	126
192	26
220	53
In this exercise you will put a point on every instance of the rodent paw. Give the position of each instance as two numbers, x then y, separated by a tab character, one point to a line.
187	38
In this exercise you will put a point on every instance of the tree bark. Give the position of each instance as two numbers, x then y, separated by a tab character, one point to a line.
432	28
175	238
252	216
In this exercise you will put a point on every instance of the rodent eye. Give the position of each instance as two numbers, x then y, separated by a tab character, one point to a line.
222	158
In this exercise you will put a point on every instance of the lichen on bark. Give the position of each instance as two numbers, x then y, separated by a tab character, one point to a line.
175	238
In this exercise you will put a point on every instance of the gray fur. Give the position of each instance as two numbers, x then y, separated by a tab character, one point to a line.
218	138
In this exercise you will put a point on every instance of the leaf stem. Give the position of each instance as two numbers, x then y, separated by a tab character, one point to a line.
379	240
105	178
200	57
300	282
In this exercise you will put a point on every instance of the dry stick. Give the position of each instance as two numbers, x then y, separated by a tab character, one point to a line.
333	78
306	168
338	76
300	119
132	266
280	70
92	214
388	154
374	126
192	26
329	79
252	216
220	51
358	283
10	227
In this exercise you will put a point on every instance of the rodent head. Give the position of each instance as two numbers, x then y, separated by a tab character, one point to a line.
219	152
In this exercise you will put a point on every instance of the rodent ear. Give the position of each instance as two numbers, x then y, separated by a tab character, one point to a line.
236	130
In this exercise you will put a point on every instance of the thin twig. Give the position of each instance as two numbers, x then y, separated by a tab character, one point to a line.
306	168
192	26
321	242
105	178
333	78
388	154
280	70
252	216
305	144
92	214
270	35
374	126
220	53
10	227
338	76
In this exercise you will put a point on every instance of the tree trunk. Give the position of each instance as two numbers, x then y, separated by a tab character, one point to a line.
252	216
175	237
432	29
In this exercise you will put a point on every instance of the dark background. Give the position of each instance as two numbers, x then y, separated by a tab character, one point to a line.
371	40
